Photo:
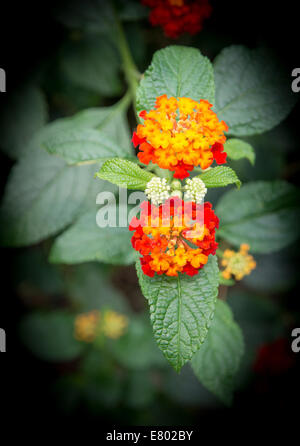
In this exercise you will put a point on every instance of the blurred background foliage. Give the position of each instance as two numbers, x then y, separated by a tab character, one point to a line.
127	379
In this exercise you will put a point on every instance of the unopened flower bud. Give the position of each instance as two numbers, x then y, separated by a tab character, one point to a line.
157	190
195	190
176	193
176	185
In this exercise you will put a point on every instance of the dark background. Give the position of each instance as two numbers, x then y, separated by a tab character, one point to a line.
29	35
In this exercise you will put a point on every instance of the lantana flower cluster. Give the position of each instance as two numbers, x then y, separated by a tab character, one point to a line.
178	16
93	323
237	264
179	134
176	236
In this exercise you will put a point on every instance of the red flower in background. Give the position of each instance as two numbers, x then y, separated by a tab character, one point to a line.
178	16
274	358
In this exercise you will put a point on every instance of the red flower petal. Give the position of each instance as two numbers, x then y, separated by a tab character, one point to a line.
218	154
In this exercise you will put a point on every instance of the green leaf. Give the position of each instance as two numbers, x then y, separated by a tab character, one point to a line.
181	310
263	214
253	92
80	146
50	336
136	349
219	177
53	193
177	71
95	17
110	121
24	115
89	288
42	196
237	149
124	173
84	241
186	390
217	361
92	62
95	133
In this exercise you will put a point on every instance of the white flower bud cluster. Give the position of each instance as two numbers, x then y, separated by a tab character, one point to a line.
176	193
157	190
195	190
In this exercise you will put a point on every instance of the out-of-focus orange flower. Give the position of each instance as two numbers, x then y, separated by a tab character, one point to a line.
237	264
113	325
109	323
180	134
172	239
178	16
86	326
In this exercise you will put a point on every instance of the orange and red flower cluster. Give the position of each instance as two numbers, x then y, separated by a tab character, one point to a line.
172	238
180	134
178	16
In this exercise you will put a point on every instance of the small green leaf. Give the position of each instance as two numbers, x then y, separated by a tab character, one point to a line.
80	146
124	173
237	149
217	361
84	241
263	214
177	71
220	176
181	310
50	336
253	92
227	282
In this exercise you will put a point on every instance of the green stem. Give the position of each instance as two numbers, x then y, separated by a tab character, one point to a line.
131	72
124	101
132	76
